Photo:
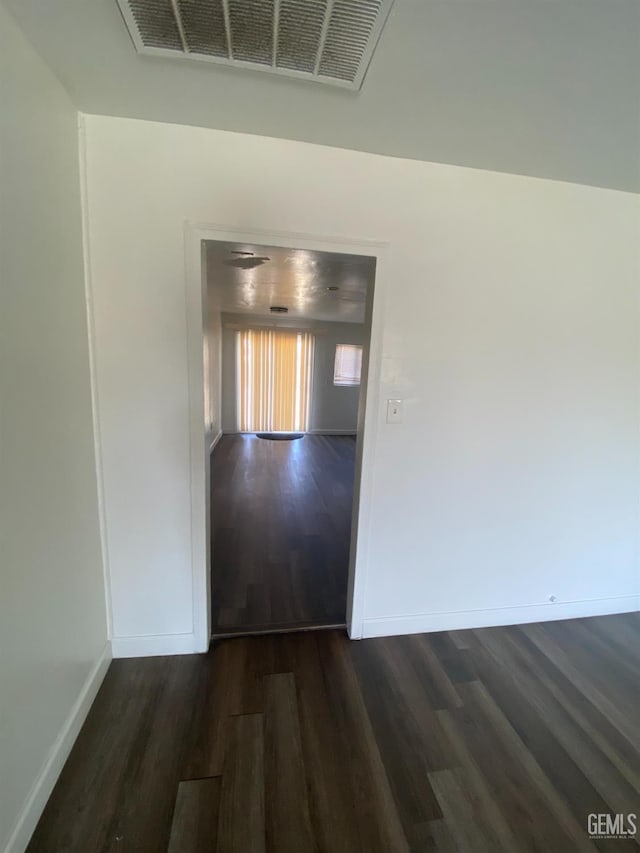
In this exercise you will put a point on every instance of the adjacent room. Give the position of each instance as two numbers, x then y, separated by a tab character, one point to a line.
285	336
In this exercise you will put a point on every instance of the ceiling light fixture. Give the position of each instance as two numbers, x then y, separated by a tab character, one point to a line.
246	263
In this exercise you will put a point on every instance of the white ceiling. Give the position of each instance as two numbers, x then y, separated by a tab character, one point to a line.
238	283
548	88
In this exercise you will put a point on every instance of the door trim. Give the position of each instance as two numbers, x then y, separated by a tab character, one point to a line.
368	415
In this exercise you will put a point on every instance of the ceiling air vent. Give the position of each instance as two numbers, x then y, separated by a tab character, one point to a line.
329	41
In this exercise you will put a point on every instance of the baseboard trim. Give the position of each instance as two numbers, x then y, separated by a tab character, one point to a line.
269	630
58	754
154	645
308	432
456	620
215	440
332	432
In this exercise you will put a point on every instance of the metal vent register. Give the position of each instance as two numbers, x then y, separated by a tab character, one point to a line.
329	41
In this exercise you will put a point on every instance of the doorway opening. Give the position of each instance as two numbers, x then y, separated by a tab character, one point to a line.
286	355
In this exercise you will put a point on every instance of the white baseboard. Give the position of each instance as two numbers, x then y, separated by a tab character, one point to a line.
52	767
215	440
423	623
308	432
155	644
333	432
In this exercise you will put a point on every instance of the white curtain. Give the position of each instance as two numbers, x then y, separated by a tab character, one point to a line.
274	380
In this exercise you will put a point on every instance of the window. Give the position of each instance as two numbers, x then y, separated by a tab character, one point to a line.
348	365
273	380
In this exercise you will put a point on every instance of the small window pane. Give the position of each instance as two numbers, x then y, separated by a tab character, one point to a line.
348	365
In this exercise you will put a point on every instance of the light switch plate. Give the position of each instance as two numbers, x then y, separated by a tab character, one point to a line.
394	411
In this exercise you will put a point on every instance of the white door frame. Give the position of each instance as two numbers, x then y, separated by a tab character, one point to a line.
368	416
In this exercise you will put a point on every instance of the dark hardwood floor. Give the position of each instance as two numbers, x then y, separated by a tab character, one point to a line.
281	527
499	739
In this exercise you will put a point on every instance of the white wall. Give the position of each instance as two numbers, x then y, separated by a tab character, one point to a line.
510	312
332	408
53	628
229	410
212	373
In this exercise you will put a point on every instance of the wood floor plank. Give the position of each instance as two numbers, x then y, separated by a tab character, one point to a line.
455	662
587	683
460	639
536	814
596	726
430	672
331	809
112	724
241	824
474	802
379	824
117	789
465	816
546	749
230	683
407	731
340	799
433	837
295	498
497	738
563	746
616	673
288	825
194	828
619	631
